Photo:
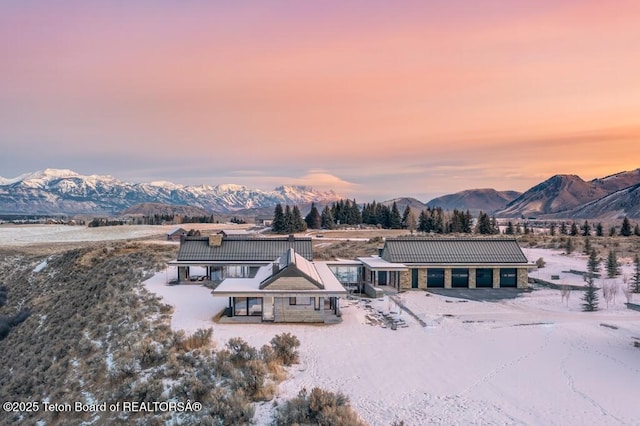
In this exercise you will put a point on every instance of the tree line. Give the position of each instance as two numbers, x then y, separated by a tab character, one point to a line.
347	212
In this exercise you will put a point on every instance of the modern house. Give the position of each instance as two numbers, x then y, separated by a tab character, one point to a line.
437	262
217	257
291	289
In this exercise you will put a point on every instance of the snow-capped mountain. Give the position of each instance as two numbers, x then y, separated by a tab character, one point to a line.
52	191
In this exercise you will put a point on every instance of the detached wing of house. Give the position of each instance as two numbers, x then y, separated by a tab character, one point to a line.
413	262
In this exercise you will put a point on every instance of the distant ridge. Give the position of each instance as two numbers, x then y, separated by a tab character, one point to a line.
566	195
53	191
475	200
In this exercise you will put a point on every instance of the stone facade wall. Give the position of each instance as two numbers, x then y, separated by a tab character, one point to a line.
496	277
422	278
523	277
472	277
447	277
405	279
283	312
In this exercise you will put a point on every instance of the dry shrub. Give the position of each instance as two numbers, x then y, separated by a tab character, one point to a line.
202	337
320	407
285	348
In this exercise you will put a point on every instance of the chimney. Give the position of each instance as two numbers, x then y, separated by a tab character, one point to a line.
215	240
276	268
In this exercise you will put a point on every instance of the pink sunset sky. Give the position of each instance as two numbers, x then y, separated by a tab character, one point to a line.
374	99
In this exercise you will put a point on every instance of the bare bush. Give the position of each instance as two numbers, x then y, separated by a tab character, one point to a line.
540	263
320	407
285	348
565	292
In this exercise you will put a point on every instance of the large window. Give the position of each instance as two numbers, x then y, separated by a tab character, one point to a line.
301	300
459	277
346	274
247	306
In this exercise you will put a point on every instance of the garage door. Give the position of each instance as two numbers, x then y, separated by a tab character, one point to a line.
435	277
484	277
508	277
459	278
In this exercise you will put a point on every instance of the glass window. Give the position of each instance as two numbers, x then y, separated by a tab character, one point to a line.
240	306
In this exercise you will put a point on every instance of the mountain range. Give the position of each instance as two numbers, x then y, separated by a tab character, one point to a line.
54	191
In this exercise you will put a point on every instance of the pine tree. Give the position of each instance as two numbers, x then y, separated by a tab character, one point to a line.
625	229
569	246
613	268
552	229
509	230
636	230
563	228
586	229
395	220
612	231
587	245
590	297
288	220
599	230
327	218
574	229
277	225
313	219
526	228
484	226
298	223
635	283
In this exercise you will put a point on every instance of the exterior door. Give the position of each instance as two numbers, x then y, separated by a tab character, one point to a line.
414	278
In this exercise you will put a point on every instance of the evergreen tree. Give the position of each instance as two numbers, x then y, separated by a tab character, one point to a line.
298	223
574	229
635	281
625	229
313	219
552	229
405	216
395	220
563	228
612	231
613	268
288	220
587	245
277	225
467	222
590	297
586	229
484	225
599	230
509	230
423	222
327	218
526	228
569	246
636	230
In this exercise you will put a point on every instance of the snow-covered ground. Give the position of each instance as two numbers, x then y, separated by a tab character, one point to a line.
20	235
524	360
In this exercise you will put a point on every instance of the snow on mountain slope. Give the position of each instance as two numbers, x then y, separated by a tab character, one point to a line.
65	191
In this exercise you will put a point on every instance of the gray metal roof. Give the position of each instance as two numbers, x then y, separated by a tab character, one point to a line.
453	250
242	249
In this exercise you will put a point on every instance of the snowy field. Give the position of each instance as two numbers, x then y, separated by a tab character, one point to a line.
524	359
20	235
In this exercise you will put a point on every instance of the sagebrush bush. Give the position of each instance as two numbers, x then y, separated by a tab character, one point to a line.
285	347
320	407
